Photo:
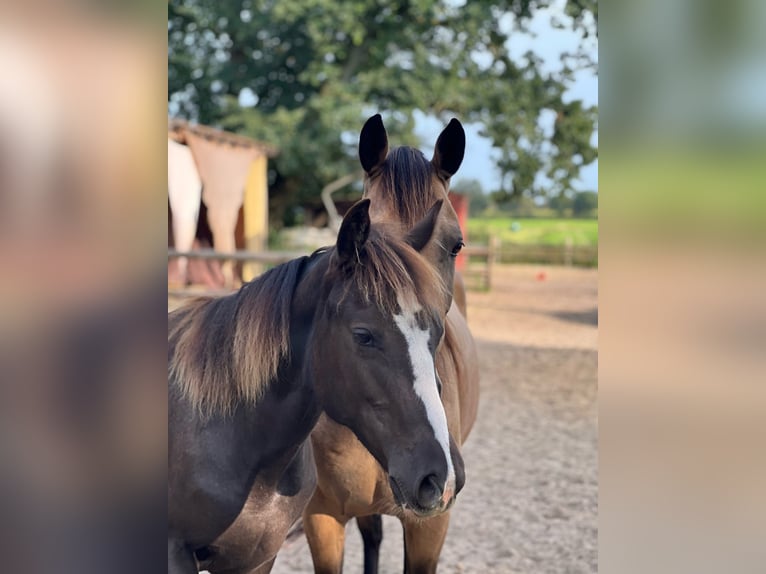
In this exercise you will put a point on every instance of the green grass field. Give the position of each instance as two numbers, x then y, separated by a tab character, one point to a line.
537	231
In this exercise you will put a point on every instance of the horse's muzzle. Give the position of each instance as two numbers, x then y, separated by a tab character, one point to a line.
430	500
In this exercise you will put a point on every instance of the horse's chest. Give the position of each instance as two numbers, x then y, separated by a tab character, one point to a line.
261	527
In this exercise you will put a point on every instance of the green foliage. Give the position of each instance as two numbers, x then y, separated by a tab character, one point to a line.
315	69
585	204
561	204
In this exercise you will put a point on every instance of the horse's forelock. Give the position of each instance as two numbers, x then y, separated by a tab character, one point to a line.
405	184
391	271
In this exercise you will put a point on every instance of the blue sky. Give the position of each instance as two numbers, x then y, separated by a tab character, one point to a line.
548	43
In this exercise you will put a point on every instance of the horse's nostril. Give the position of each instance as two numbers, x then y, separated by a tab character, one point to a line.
429	492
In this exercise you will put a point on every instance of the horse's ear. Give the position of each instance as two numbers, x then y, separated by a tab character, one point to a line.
354	231
373	144
450	148
421	234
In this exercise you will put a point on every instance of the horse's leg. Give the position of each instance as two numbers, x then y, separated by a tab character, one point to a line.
325	534
326	537
371	529
423	541
180	558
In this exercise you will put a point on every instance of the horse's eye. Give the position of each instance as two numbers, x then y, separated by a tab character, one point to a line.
363	337
458	246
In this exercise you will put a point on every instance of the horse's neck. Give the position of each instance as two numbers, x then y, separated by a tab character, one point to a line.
283	419
288	411
293	380
290	408
457	356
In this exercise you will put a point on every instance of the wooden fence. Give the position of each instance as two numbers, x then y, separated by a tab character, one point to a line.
567	254
259	261
477	272
266	257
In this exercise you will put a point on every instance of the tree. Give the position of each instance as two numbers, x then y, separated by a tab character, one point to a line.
522	205
560	203
303	75
585	204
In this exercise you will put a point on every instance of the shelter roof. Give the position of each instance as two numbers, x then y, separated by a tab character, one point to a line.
179	129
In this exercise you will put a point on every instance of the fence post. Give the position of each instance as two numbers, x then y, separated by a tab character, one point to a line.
495	247
568	248
493	253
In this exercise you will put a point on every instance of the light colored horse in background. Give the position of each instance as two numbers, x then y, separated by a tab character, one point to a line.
404	188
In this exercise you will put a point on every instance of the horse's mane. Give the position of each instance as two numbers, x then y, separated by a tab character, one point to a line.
404	180
226	350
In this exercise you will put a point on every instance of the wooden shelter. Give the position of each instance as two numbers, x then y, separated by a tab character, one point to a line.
225	177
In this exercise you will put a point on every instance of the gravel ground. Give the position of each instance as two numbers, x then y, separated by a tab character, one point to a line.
530	504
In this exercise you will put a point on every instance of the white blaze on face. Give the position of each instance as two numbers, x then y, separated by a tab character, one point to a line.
425	383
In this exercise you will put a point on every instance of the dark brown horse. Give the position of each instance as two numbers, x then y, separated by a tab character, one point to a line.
350	331
403	186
